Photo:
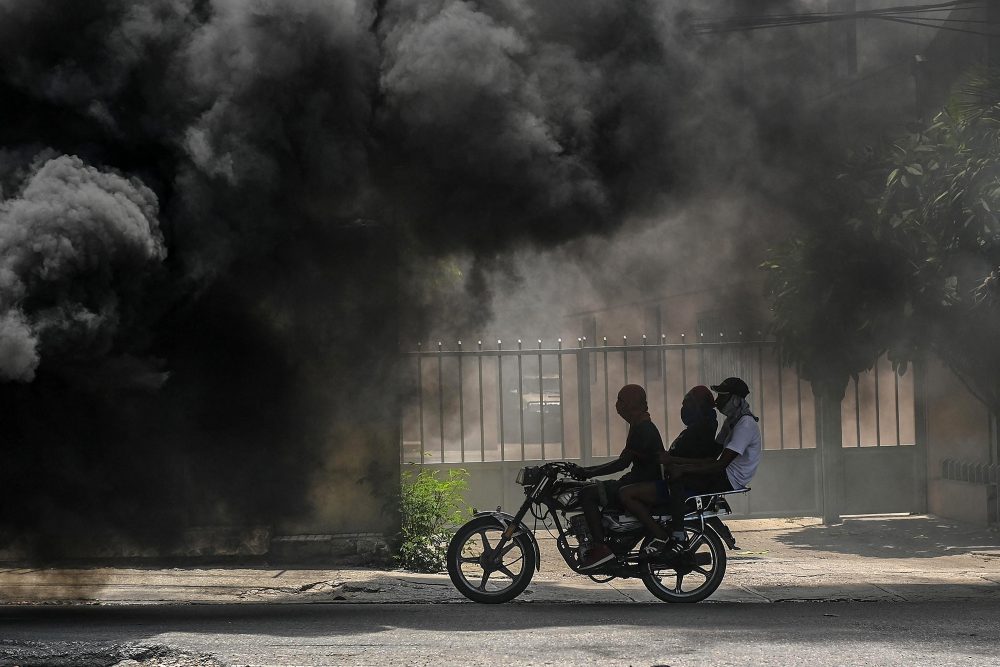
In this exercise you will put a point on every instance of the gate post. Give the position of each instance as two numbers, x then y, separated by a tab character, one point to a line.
830	474
583	403
920	436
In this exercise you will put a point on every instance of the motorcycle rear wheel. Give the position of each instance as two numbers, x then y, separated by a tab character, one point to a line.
471	568
704	565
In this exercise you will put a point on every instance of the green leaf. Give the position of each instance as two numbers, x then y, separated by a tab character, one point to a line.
916	169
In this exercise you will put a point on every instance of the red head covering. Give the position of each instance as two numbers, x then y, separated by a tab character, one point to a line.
702	395
632	403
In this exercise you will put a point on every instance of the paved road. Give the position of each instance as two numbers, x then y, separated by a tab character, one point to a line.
815	634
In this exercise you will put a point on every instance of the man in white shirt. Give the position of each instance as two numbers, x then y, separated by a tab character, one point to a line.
735	467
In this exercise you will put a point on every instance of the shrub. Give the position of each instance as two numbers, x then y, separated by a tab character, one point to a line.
429	506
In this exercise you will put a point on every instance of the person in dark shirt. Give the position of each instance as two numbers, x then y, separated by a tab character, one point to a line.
642	451
696	441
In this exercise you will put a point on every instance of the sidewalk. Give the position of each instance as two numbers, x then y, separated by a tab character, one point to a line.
871	558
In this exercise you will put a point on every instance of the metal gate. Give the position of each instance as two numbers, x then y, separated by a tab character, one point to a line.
490	408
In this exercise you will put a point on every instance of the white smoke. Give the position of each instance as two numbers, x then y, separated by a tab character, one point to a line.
70	241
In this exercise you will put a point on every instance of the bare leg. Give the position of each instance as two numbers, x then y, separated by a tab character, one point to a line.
677	498
637	499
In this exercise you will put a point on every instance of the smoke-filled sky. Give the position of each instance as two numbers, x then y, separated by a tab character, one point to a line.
208	207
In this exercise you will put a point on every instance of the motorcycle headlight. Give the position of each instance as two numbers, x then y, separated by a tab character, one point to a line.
529	476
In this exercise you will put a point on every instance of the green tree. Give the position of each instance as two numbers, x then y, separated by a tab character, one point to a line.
908	258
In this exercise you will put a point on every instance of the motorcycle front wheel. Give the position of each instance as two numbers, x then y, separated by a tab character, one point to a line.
482	574
691	577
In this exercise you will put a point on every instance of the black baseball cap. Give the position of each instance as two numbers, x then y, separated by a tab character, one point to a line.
732	386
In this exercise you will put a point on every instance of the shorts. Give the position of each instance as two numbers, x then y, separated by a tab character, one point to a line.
695	485
607	492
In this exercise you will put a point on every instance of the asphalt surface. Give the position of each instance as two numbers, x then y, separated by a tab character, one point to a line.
870	591
837	633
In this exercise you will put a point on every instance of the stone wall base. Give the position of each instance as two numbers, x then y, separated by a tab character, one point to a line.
343	548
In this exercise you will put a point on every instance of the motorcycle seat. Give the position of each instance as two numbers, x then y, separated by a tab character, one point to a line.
707	500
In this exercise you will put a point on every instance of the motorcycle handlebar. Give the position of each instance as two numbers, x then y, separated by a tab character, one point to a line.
568	468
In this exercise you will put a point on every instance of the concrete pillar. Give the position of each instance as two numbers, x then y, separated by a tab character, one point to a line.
830	482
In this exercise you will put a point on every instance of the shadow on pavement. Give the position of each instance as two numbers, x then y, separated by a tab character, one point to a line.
896	537
140	623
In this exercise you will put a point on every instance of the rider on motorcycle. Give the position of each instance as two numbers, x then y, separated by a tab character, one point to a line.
643	449
697	440
733	469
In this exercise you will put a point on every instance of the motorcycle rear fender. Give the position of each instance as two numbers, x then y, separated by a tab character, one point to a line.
505	519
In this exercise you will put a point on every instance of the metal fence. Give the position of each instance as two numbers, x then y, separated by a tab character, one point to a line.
543	402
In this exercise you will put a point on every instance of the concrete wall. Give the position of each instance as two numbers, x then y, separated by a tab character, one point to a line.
957	428
784	485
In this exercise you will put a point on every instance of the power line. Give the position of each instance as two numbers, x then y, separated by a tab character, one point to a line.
907	14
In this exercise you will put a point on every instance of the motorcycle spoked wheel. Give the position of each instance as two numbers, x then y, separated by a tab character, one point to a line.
471	565
693	576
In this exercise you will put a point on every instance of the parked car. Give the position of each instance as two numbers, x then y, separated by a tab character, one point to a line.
538	408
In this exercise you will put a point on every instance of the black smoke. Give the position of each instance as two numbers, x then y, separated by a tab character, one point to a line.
216	213
204	205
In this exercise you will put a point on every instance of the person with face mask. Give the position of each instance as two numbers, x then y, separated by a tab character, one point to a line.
741	444
643	448
696	442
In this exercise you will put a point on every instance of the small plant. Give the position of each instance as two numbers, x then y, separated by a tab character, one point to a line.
429	505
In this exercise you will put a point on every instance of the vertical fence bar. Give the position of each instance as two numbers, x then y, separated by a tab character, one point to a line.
624	359
583	393
520	395
541	400
781	406
919	436
607	401
420	397
994	437
760	383
663	369
441	397
562	404
701	359
645	371
878	409
895	382
482	406
684	367
798	399
722	359
857	410
503	450
461	405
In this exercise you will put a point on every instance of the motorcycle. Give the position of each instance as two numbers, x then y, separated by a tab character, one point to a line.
492	558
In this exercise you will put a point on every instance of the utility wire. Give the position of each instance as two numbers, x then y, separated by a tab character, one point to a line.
907	14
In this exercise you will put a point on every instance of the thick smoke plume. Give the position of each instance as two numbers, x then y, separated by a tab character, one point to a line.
214	211
75	243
